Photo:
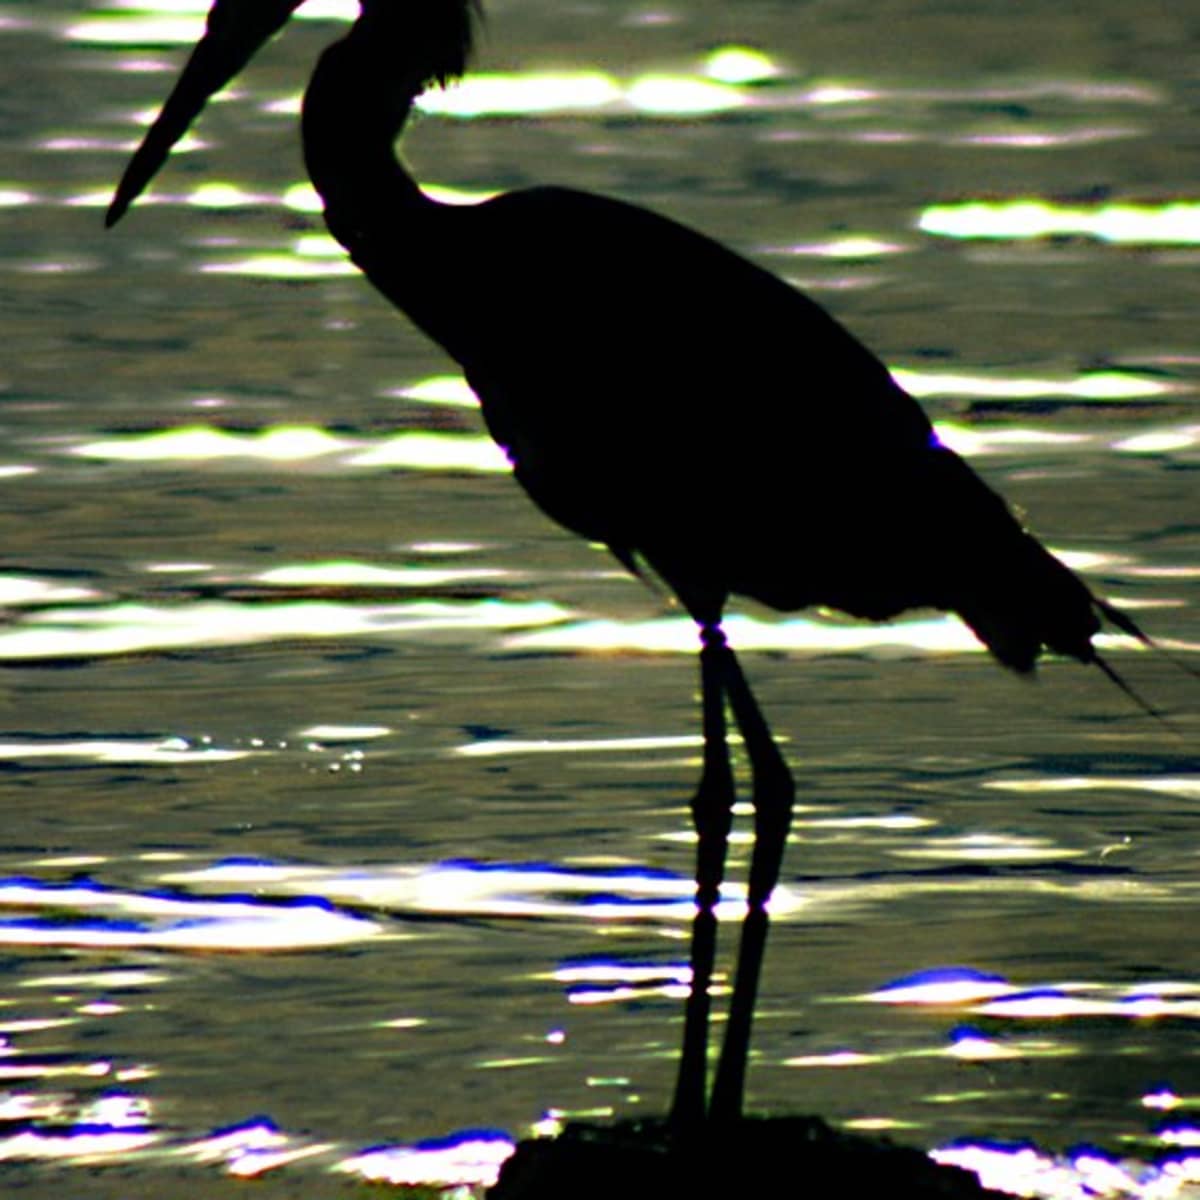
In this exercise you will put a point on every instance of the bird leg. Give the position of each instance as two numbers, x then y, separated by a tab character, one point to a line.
772	796
712	814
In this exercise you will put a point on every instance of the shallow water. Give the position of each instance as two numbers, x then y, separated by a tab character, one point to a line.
345	798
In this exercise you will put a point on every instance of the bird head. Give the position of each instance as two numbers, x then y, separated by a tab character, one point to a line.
433	36
436	35
235	31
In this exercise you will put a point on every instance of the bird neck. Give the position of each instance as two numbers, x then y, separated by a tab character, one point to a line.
355	108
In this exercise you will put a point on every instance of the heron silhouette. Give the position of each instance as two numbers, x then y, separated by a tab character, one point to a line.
661	395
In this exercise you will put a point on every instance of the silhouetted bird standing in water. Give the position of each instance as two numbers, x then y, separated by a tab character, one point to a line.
659	394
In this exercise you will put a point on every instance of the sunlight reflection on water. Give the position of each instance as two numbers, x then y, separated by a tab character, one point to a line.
1170	223
289	444
110	919
252	1149
1024	1171
461	888
1013	226
130	628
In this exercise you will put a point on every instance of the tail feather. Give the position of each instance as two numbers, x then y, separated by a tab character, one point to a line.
1036	603
1127	626
1121	682
1124	623
1016	596
1022	601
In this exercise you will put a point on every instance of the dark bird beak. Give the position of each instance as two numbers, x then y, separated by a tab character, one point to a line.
236	30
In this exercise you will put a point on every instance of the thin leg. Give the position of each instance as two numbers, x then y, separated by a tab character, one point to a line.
773	795
712	813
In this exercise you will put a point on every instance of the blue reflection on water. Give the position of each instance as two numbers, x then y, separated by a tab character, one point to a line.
468	1157
1081	1173
88	914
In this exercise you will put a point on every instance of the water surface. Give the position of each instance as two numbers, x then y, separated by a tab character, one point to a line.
345	798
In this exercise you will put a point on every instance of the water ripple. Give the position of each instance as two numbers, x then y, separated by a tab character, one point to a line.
108	629
93	916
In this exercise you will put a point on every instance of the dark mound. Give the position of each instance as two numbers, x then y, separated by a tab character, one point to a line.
757	1156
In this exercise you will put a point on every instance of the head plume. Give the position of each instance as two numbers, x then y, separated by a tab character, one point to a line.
435	35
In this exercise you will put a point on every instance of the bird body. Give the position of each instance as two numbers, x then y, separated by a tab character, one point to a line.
664	396
660	394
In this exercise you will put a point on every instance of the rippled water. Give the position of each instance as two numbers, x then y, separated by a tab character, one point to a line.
345	798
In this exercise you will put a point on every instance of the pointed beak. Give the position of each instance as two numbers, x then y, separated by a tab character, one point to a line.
236	30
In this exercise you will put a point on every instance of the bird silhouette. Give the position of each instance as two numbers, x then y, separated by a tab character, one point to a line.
661	395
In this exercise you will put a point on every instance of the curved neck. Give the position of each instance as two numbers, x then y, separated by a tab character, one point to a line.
354	109
409	246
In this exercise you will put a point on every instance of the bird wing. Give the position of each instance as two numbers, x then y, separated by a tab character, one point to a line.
663	395
643	377
632	309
